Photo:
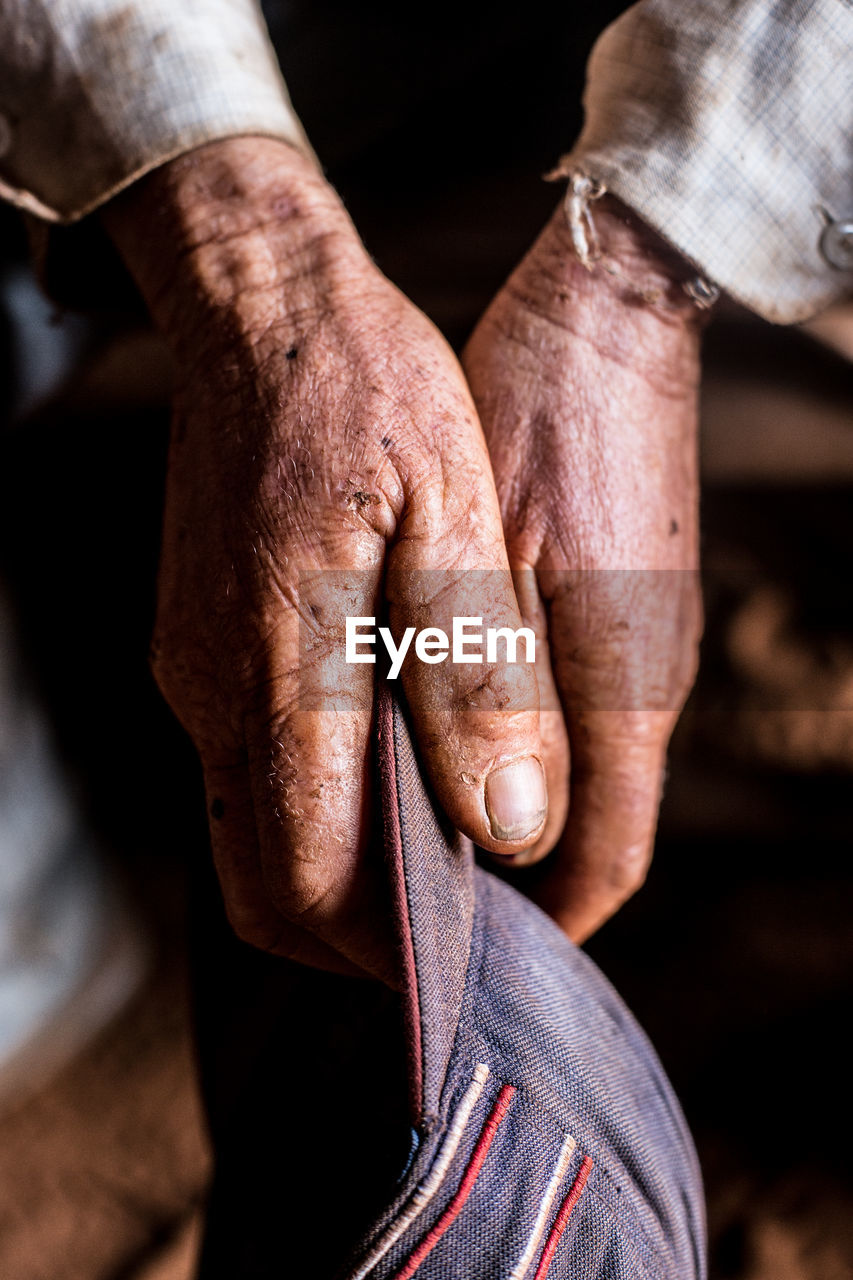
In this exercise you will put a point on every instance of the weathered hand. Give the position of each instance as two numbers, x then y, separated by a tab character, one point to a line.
587	396
326	458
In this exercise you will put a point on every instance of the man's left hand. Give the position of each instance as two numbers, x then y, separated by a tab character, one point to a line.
587	392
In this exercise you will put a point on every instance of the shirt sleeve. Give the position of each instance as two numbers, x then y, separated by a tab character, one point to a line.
727	125
94	93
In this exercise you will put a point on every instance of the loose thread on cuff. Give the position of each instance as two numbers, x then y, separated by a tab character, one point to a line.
581	193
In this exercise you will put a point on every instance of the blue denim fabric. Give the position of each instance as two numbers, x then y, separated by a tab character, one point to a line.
306	1082
500	985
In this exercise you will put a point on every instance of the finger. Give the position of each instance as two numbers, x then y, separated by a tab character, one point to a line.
606	849
474	705
626	659
236	856
308	736
552	725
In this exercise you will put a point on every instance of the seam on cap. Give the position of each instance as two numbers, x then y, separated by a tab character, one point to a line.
567	1150
466	1186
432	1183
561	1221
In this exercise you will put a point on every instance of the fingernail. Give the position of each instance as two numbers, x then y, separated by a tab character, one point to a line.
516	799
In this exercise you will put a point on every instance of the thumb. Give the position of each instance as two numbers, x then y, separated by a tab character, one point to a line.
471	682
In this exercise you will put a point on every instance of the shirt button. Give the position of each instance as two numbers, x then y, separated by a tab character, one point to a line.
836	244
5	135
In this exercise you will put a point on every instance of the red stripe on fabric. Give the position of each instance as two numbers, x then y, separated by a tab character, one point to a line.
400	899
466	1186
562	1220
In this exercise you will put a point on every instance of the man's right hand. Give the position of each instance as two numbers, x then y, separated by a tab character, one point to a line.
326	460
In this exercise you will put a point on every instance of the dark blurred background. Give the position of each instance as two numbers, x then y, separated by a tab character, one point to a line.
737	954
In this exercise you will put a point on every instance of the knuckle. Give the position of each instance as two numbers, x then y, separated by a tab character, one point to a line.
190	685
164	669
509	688
629	869
245	926
369	495
298	891
256	929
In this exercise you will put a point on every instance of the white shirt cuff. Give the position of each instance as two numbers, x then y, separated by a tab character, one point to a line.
728	129
95	93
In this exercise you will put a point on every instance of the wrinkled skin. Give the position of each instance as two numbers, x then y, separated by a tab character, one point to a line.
327	459
588	397
325	455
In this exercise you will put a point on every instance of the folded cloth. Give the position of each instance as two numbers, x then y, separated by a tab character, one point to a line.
527	1130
